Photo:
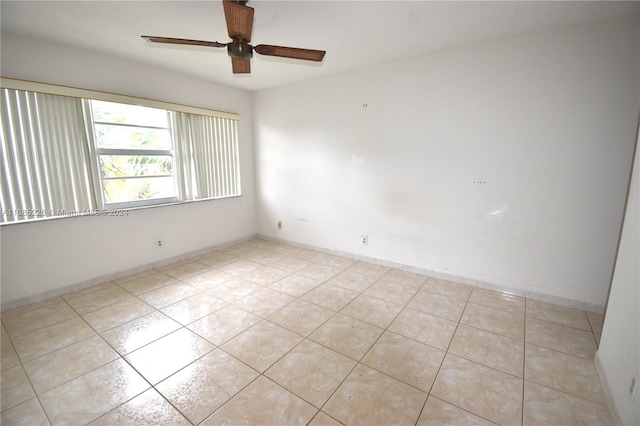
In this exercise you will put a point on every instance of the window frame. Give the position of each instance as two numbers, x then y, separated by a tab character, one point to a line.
86	95
97	151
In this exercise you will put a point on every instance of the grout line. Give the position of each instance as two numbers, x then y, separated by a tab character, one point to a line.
303	338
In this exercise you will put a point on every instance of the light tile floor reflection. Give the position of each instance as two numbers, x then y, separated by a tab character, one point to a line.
268	333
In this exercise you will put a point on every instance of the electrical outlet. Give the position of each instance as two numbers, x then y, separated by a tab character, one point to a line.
159	243
279	225
365	240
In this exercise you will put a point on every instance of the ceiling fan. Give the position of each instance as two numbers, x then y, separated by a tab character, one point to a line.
239	26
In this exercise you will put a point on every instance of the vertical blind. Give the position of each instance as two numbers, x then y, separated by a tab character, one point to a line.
207	170
47	156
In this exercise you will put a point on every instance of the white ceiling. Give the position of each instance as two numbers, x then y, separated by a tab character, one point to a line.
354	33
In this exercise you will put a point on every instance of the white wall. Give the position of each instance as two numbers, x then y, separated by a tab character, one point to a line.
619	352
503	163
45	256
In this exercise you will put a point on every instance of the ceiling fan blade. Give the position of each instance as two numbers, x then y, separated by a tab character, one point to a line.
170	40
239	20
241	66
290	52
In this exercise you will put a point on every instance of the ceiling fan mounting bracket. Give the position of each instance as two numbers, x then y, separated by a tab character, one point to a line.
240	49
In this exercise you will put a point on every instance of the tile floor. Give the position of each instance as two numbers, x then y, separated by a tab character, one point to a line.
267	333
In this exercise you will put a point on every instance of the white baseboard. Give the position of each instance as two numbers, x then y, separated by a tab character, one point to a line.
557	300
5	306
464	280
606	390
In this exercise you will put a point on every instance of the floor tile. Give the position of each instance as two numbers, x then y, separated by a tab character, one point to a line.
346	335
369	397
490	349
266	257
205	385
264	302
208	280
29	413
99	299
429	329
106	387
9	357
131	277
159	360
168	294
148	283
320	272
4	334
392	292
311	371
241	250
88	290
322	419
562	338
168	264
499	300
117	314
262	345
63	365
369	269
372	310
235	289
596	321
336	261
31	307
337	341
295	285
45	340
240	267
263	402
263	244
301	317
310	255
139	332
566	373
494	320
546	406
409	361
483	391
224	324
187	270
148	408
448	288
330	296
288	250
22	321
193	307
399	276
291	264
437	412
14	387
217	259
438	304
558	314
352	281
266	275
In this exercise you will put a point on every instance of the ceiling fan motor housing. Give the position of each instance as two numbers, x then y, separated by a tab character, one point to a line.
240	50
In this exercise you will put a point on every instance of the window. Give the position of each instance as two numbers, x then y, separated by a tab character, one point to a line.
73	152
135	154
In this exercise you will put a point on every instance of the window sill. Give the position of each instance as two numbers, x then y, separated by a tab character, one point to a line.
114	212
